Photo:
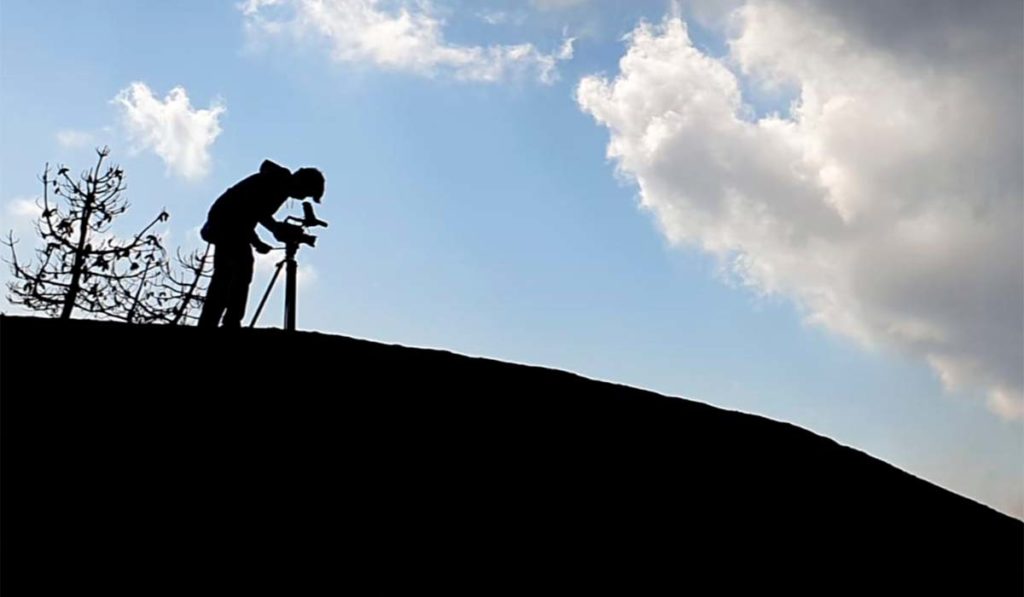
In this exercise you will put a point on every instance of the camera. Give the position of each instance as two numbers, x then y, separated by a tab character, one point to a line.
294	233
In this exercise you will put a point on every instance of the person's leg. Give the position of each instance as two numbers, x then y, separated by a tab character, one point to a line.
238	291
216	293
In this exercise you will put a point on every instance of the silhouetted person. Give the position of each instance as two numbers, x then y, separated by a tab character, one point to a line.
231	228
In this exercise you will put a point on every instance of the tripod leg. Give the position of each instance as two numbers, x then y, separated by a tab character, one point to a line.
266	295
289	294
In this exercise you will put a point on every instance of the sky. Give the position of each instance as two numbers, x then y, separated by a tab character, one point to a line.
809	210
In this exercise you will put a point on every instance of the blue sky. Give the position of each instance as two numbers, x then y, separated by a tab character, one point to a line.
480	213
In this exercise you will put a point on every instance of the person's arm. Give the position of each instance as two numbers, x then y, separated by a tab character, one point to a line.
270	224
258	244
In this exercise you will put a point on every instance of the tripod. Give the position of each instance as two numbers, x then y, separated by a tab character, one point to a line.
292	267
294	234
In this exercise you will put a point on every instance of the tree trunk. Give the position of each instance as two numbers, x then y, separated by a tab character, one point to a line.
79	265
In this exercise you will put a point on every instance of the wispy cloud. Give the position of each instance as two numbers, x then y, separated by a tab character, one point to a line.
171	128
501	17
557	4
408	38
21	215
73	139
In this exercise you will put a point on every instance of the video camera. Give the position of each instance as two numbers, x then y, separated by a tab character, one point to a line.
294	234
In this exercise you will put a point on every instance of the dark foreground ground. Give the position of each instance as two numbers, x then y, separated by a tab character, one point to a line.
137	459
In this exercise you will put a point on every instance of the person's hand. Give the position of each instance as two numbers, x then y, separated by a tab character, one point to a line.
261	247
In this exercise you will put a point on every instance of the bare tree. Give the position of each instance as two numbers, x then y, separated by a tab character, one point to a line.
141	298
186	290
82	265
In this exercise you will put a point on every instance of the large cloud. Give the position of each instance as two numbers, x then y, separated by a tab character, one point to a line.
400	36
176	132
887	203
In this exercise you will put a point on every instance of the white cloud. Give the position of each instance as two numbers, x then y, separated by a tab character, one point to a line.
501	17
515	18
557	4
22	213
23	207
406	38
1006	402
888	205
72	139
252	7
266	263
497	17
176	132
306	276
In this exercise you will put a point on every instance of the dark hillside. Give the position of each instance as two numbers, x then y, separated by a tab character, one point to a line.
137	458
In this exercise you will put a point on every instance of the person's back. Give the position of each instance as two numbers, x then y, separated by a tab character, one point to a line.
233	217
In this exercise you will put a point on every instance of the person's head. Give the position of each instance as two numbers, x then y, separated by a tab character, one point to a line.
307	182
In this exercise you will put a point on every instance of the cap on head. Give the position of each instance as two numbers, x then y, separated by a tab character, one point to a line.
308	182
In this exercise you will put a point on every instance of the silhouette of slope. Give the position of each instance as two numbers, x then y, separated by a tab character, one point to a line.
138	456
